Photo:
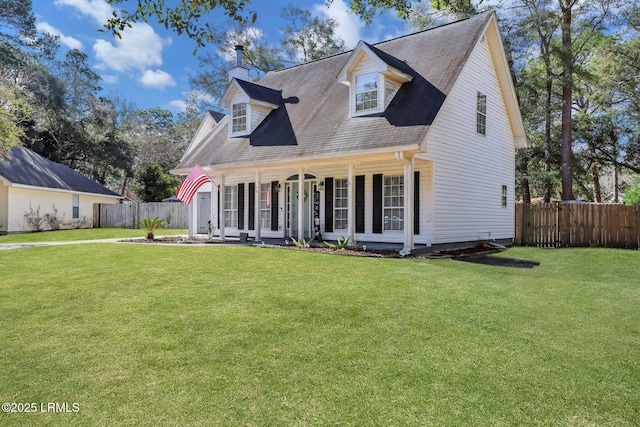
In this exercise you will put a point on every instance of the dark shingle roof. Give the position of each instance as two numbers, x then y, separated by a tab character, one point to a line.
23	166
316	120
261	93
217	116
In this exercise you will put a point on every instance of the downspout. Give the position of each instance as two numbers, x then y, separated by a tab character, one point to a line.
408	203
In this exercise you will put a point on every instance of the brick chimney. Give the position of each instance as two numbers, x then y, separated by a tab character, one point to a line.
239	71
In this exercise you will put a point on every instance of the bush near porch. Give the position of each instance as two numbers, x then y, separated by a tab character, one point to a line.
220	335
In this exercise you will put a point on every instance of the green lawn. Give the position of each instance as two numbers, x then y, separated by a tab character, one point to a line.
243	336
85	234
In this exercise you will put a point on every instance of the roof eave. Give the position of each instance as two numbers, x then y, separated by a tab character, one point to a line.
326	158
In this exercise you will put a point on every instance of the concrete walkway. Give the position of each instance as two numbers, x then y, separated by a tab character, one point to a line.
6	246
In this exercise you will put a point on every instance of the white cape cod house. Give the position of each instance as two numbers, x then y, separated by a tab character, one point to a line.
408	141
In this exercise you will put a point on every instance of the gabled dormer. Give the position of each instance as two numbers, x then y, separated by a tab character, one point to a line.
374	78
248	104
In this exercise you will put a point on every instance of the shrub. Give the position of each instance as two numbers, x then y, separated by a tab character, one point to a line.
54	221
34	221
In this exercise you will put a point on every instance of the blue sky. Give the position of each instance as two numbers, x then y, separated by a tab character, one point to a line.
150	65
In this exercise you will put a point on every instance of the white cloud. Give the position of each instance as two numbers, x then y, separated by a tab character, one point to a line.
99	10
109	78
139	48
68	41
350	26
157	79
177	105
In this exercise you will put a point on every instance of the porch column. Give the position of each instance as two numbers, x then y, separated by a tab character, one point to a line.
408	207
256	205
350	203
300	204
193	219
215	208
221	221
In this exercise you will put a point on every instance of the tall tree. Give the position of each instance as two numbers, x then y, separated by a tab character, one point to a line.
19	39
307	37
188	16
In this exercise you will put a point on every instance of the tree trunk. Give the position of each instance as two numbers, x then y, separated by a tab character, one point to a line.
523	166
566	169
547	132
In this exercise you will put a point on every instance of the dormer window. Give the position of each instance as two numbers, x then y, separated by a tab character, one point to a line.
239	117
367	92
374	77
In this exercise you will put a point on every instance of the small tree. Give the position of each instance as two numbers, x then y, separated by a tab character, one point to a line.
156	184
632	196
150	225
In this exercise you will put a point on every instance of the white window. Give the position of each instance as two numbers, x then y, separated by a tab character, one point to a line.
340	205
504	196
239	117
265	206
481	114
393	203
231	206
367	92
75	203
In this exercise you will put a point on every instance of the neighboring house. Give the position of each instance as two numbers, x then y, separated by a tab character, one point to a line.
33	185
407	141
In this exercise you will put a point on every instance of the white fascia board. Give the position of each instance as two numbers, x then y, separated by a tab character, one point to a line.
263	104
315	160
224	100
396	74
344	74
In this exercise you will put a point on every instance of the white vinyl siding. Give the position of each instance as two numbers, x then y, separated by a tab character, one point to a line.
265	208
390	89
19	200
4	208
387	168
231	206
340	206
469	167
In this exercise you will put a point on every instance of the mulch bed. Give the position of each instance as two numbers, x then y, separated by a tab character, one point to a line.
477	253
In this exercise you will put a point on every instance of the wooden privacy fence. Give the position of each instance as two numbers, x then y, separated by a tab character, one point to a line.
577	224
111	215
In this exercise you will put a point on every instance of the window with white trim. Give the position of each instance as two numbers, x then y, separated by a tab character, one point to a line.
504	196
239	117
340	204
231	206
393	203
75	203
481	114
265	208
367	92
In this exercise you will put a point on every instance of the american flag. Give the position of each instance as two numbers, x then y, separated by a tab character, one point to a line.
191	183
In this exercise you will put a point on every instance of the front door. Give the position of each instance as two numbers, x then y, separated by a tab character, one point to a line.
204	212
292	216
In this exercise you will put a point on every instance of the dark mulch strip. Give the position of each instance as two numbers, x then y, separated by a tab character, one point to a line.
498	261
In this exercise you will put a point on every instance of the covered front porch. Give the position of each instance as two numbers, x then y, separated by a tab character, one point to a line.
380	201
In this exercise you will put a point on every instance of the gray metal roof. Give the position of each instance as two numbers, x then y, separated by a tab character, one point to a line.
23	166
314	119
